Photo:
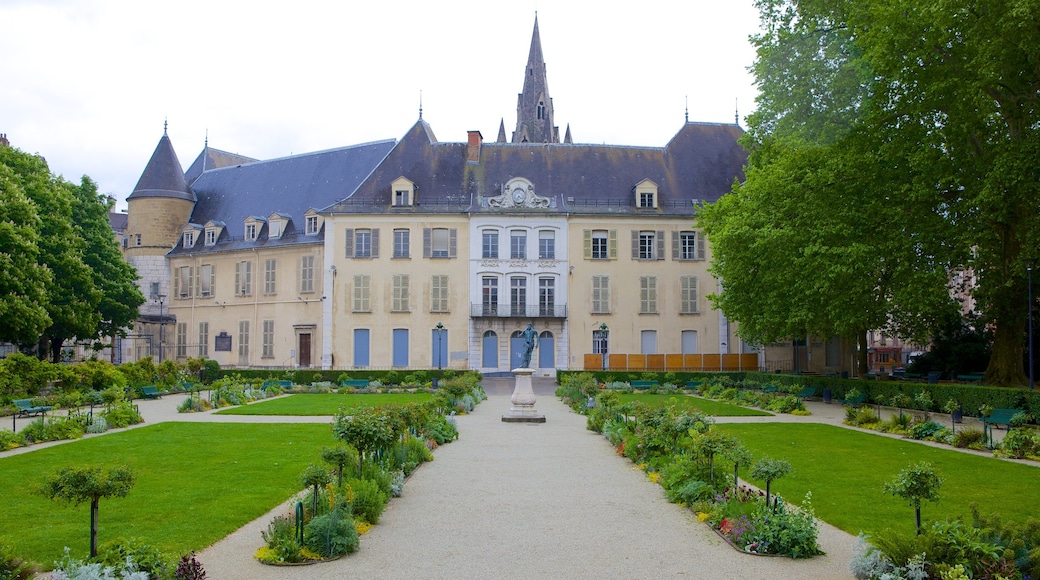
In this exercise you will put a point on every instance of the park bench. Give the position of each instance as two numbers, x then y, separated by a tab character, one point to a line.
691	385
807	393
150	392
355	383
1001	417
971	377
769	389
282	384
27	409
643	384
855	401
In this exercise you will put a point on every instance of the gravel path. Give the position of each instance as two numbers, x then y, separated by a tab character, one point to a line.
531	501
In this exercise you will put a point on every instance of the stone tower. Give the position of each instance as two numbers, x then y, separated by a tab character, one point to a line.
534	109
157	211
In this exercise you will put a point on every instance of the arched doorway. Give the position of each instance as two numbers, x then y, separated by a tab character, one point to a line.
546	350
489	356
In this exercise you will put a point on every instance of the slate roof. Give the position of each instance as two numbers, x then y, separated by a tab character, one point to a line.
163	176
699	164
210	158
289	185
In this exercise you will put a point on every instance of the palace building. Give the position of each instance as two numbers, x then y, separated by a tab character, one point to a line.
417	253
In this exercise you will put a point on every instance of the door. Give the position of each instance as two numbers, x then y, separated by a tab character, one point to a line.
546	350
689	342
489	358
400	347
648	341
361	341
305	349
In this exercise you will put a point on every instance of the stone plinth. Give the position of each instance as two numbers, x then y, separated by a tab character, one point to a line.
523	410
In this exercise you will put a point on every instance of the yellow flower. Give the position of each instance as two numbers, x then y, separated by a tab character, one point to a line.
362	527
654	476
701	516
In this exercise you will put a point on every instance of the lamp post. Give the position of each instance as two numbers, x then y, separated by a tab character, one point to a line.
440	344
1029	292
161	298
604	334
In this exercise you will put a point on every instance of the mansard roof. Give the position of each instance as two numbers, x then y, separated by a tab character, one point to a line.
163	176
699	164
210	158
288	186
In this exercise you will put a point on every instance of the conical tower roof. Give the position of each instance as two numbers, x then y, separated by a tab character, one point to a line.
163	176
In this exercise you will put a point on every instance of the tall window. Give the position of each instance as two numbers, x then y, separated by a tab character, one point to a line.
599	245
688	295
401	240
312	224
648	294
647	249
546	245
243	278
489	295
270	277
182	339
600	294
400	293
439	293
518	295
203	339
547	296
137	239
250	232
687	246
206	280
518	245
362	284
441	247
243	338
362	243
489	245
154	290
599	342
184	282
268	345
306	274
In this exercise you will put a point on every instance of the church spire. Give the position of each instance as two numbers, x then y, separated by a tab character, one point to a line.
534	110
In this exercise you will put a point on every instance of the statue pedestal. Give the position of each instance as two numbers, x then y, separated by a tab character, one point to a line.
523	410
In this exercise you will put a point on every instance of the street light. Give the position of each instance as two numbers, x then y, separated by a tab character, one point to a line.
1029	286
440	344
604	333
160	298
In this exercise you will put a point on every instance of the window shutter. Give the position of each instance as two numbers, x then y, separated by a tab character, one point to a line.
375	242
212	280
613	244
349	242
299	275
427	242
238	278
191	280
404	293
700	245
587	243
452	242
675	245
693	295
357	293
635	244
660	244
176	283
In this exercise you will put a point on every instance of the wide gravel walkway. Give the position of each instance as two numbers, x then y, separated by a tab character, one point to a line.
512	500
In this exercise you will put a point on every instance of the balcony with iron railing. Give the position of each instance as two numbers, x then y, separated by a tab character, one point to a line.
518	311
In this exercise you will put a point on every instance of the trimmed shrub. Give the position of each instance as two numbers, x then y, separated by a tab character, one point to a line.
331	535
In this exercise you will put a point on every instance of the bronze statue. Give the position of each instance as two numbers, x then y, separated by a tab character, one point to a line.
530	336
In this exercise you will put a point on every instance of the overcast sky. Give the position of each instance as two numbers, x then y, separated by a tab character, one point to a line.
89	83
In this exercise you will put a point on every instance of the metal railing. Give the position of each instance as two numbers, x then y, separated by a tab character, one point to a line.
524	311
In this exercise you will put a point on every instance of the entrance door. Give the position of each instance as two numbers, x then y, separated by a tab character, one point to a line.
489	360
305	349
361	347
400	357
546	350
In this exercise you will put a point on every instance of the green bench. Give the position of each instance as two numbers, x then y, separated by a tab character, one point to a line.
971	377
1001	417
282	384
355	383
27	409
691	385
856	401
642	385
150	392
769	389
807	393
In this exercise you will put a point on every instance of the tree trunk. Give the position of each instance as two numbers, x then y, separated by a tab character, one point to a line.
1009	319
861	356
93	526
56	344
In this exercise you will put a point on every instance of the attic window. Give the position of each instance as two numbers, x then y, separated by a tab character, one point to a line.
211	236
250	232
312	224
401	197
646	194
275	230
189	239
403	192
646	199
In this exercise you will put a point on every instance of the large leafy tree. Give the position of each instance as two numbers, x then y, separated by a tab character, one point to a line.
113	276
892	142
23	280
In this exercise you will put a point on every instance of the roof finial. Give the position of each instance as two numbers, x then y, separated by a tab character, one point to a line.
206	143
164	126
420	103
687	108
736	112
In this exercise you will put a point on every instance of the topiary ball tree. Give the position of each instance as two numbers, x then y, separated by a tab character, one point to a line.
918	482
316	476
769	469
75	485
339	456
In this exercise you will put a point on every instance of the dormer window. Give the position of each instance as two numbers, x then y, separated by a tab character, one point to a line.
250	232
211	236
646	194
189	239
277	223
213	229
403	192
312	222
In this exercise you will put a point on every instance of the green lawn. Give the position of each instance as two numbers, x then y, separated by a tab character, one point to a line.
845	471
322	404
704	405
196	483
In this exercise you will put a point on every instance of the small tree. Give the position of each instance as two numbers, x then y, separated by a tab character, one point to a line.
75	485
339	456
739	455
769	469
713	443
316	476
917	483
367	429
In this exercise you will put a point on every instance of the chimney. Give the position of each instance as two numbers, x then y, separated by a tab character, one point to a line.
473	147
4	141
